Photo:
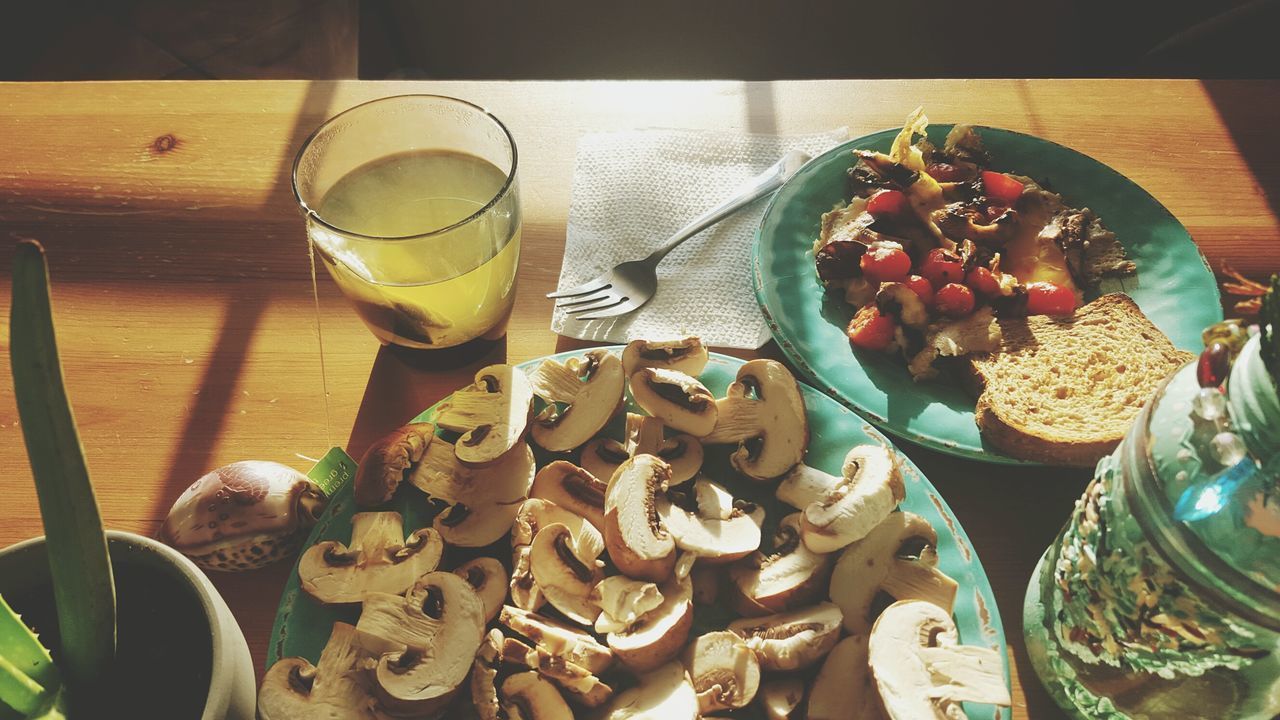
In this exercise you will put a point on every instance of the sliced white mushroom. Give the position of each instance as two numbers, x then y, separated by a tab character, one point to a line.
491	414
591	386
527	696
573	489
764	412
898	558
438	626
679	400
336	687
386	463
687	355
535	514
921	671
644	436
706	584
724	671
483	501
488	578
567	571
791	640
843	687
660	633
780	697
622	601
484	677
638	541
378	559
525	593
706	520
786	578
558	639
664	693
578	684
838	511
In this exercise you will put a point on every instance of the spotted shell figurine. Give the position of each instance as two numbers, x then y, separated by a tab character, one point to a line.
243	516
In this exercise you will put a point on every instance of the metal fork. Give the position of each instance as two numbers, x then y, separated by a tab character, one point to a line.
630	284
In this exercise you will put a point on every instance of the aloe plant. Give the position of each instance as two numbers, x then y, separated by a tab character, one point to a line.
79	565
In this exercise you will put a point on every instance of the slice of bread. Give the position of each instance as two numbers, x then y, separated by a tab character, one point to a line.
1065	390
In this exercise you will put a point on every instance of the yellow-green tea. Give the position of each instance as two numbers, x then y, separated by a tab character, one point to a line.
418	274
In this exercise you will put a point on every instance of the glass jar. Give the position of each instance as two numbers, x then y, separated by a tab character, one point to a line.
1161	596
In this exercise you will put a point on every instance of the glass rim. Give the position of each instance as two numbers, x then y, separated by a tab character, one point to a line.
314	214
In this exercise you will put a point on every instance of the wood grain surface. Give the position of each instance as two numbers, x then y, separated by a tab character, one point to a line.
183	297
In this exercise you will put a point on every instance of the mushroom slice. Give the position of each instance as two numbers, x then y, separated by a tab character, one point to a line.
900	302
602	456
566	571
707	521
538	513
883	562
660	633
780	697
487	577
386	463
526	696
706	584
484	677
921	672
558	639
686	355
724	671
791	640
764	412
664	693
679	400
788	577
622	601
524	591
491	414
591	386
575	681
638	541
334	688
843	687
838	511
378	559
573	489
483	500
438	626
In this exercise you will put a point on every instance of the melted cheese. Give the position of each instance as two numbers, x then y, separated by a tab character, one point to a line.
1030	257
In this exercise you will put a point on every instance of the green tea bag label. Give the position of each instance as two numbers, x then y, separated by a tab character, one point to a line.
333	470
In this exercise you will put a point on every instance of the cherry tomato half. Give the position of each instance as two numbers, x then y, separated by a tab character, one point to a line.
941	267
871	330
882	263
922	288
954	300
1046	298
1000	188
887	202
983	282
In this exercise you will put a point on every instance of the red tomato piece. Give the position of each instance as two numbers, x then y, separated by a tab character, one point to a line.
1046	298
887	202
945	172
885	263
1000	188
870	329
941	267
983	282
921	287
954	300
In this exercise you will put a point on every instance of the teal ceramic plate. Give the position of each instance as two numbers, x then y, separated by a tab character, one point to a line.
1174	287
302	625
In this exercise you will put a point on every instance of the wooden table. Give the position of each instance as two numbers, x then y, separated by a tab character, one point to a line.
183	296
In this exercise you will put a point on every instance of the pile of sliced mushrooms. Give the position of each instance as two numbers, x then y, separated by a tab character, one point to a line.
843	614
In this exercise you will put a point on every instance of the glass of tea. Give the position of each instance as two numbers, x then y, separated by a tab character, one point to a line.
411	203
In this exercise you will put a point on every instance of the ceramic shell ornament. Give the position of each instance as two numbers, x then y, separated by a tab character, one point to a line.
243	516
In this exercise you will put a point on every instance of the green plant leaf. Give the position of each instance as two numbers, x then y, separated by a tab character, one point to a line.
20	646
17	690
77	546
54	707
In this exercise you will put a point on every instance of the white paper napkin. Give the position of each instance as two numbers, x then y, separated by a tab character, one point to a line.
632	190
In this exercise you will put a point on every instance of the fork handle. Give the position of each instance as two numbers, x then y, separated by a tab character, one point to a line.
754	189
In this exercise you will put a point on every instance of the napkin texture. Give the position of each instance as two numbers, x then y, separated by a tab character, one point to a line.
632	190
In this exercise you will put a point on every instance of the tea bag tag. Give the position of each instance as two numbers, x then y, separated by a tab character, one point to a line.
332	471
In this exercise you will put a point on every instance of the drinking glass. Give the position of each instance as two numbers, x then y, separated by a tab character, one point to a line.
412	205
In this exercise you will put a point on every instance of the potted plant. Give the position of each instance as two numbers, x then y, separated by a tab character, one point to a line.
134	629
